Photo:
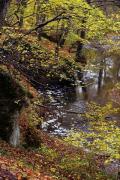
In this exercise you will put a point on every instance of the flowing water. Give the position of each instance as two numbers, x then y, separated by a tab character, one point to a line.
66	103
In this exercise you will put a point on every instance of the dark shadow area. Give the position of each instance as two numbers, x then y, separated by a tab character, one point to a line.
12	100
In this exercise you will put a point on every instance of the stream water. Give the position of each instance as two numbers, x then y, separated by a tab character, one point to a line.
100	76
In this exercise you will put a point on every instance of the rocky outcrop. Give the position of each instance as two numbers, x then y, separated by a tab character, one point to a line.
12	100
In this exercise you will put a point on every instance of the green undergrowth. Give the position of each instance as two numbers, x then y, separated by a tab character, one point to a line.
103	135
39	59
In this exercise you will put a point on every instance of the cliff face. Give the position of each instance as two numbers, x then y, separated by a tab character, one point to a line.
12	100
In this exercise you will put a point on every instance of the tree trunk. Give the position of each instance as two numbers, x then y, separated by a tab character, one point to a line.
80	47
22	4
40	18
80	58
3	10
100	77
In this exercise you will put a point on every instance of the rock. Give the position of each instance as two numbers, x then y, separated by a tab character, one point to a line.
12	100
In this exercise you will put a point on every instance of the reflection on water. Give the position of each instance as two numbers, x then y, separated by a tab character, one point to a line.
68	103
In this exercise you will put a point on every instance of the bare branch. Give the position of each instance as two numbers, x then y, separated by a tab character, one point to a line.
44	24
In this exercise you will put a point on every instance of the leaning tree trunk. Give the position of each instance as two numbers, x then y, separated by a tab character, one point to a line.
3	10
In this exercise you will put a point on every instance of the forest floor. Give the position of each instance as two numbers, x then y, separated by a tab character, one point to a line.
53	160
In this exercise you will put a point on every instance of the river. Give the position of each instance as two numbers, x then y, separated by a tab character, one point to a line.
100	76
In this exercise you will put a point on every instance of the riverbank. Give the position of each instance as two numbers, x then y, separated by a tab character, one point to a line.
52	160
